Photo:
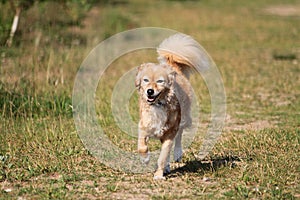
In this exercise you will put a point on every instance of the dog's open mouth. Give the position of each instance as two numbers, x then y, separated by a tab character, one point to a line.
151	99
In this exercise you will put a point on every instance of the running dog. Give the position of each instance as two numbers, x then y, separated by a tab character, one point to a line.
165	96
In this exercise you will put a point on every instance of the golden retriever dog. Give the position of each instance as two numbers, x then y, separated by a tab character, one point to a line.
165	96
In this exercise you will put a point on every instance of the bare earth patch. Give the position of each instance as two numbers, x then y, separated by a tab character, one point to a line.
283	10
255	125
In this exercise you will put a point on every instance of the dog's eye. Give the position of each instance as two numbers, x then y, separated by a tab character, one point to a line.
146	80
160	81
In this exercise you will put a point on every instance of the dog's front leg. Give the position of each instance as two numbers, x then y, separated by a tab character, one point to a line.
163	158
142	147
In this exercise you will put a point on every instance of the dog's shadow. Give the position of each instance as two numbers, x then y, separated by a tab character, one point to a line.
203	166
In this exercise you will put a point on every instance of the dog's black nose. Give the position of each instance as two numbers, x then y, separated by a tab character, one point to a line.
150	92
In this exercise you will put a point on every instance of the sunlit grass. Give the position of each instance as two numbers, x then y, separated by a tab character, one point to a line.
41	155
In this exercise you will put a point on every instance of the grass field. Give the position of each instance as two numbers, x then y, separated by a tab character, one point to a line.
255	45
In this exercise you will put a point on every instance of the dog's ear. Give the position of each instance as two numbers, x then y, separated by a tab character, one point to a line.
171	77
138	76
137	80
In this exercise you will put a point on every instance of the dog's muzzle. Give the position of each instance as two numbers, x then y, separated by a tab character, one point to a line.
150	96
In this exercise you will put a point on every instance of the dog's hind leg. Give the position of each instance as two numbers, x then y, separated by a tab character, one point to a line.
167	168
178	147
163	158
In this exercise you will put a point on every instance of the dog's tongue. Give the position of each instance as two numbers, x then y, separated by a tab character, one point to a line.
150	99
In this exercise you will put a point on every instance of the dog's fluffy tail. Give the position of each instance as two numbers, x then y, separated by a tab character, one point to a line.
183	53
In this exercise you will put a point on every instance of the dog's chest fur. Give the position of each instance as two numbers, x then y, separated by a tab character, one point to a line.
158	119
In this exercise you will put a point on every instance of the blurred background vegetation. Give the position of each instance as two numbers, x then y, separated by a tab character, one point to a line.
42	15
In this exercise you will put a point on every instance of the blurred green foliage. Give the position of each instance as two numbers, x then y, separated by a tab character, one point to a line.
41	14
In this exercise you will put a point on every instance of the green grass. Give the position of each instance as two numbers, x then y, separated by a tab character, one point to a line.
257	156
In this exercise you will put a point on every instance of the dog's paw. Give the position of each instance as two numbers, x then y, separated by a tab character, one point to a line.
145	158
177	154
167	169
158	175
159	178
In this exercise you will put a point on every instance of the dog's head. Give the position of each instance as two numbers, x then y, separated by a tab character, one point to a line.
154	81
